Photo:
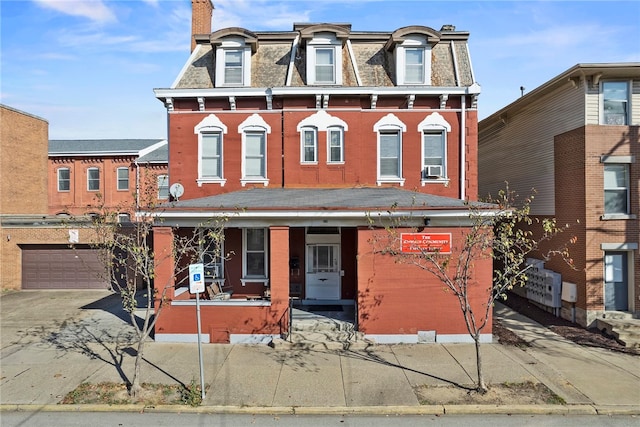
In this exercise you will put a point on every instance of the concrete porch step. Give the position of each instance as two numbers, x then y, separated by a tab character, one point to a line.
625	330
326	340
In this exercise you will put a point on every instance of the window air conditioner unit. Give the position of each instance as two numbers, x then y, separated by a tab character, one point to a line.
433	171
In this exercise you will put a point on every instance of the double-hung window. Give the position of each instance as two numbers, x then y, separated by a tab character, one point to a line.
335	145
413	61
233	66
64	179
324	59
123	179
211	157
163	186
616	188
325	65
255	161
389	154
615	103
414	65
389	149
93	179
255	253
254	150
309	145
210	133
433	155
232	61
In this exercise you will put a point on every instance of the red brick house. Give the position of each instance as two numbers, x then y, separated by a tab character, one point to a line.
298	138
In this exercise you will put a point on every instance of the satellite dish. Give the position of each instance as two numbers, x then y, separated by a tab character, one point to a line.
176	190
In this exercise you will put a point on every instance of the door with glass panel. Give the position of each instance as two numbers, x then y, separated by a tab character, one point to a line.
616	287
323	271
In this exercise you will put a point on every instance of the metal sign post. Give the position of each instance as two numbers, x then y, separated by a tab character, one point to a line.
196	286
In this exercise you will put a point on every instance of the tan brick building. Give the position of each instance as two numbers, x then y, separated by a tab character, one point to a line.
575	140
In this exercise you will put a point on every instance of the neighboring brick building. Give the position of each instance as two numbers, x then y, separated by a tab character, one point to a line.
296	137
575	140
45	194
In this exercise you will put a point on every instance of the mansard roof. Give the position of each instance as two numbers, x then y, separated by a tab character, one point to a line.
278	58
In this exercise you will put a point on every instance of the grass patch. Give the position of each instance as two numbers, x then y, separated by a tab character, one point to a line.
107	393
525	393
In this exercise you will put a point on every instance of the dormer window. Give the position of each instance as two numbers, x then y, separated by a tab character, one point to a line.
324	60
233	47
413	61
411	47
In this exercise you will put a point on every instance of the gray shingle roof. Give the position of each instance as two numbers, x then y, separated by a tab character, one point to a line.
323	199
99	146
159	155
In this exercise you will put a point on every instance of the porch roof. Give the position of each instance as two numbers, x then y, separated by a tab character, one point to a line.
359	198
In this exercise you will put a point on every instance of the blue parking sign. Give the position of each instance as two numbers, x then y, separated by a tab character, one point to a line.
196	278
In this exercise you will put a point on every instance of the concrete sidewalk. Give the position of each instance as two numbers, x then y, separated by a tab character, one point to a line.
43	359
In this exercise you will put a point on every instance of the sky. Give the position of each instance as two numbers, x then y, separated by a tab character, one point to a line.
89	67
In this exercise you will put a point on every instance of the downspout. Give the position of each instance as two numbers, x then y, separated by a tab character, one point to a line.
137	185
463	146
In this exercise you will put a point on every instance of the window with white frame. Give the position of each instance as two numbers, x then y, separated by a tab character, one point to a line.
413	61
324	59
616	188
390	154
389	150
335	145
233	63
254	253
64	179
615	102
123	179
210	133
255	159
254	150
93	179
163	186
211	155
309	145
433	155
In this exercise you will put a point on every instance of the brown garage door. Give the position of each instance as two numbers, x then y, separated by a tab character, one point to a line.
55	267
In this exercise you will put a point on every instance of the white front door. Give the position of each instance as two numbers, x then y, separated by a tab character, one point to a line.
323	271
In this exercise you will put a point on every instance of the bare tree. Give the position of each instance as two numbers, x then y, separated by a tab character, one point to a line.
503	231
123	236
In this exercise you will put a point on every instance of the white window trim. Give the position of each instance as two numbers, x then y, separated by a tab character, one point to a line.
324	41
315	146
231	44
210	124
434	123
118	179
390	122
415	41
324	122
340	129
258	279
629	97
166	178
58	180
618	215
89	179
254	123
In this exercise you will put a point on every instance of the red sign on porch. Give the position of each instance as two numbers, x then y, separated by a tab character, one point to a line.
417	243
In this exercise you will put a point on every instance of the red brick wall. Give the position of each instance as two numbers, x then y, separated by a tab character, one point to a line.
580	196
389	289
23	162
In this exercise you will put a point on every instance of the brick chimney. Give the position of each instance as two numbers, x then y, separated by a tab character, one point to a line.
201	13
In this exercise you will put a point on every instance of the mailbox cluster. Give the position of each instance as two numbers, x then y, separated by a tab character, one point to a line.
543	286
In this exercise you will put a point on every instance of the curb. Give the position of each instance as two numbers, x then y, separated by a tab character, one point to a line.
334	410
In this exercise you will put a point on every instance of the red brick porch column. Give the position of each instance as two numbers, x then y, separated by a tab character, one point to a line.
279	263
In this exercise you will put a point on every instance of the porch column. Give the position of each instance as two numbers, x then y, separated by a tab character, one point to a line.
279	264
163	261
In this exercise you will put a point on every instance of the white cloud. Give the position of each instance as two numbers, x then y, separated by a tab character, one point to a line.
95	10
259	14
